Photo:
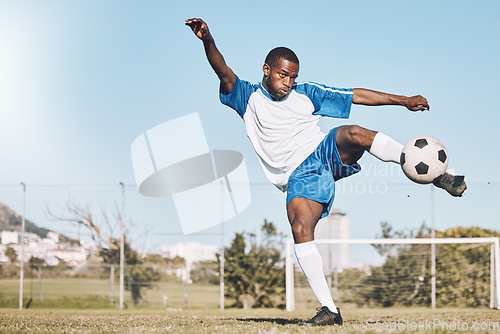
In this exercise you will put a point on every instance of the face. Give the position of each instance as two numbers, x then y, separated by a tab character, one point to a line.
279	78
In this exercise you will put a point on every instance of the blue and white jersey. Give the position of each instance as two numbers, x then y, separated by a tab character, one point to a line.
284	133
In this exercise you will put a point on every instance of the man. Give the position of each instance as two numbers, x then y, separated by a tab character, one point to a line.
281	122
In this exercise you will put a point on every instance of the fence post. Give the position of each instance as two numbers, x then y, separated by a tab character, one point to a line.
185	295
290	302
497	273
433	254
21	262
112	284
336	284
39	282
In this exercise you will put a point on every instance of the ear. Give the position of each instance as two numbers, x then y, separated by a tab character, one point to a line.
266	69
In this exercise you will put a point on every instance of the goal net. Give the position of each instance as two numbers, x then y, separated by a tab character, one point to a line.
403	272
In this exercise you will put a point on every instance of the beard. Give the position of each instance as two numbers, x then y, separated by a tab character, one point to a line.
270	89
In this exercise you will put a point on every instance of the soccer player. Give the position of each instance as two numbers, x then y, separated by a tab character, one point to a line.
281	122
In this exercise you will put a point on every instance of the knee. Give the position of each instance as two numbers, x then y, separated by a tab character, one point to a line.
354	133
358	136
302	231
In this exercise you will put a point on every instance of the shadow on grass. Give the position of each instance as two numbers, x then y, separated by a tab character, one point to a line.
278	321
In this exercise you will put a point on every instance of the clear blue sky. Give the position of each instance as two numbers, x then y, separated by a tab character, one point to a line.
80	80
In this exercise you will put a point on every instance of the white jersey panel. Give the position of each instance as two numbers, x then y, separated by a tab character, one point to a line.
283	133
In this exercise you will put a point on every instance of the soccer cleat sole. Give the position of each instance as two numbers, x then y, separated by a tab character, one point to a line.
454	185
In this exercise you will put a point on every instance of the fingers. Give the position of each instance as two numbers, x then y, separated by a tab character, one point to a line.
418	103
424	104
419	108
199	28
190	22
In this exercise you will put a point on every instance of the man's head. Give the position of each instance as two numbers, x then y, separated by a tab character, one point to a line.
280	70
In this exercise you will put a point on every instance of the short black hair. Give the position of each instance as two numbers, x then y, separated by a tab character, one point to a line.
281	52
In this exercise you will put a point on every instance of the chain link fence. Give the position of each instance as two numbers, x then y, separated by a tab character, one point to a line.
97	286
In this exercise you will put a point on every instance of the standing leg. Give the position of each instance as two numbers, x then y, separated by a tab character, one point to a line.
303	215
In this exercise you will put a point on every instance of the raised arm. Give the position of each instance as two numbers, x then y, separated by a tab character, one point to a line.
215	58
372	98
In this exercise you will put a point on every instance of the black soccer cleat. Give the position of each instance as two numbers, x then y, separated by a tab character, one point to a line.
453	184
325	317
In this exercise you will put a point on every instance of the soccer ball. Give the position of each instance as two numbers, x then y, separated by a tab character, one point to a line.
423	159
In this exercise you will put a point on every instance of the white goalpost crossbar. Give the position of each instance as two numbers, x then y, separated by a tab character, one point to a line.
494	273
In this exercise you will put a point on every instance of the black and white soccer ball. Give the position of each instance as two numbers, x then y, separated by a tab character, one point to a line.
423	159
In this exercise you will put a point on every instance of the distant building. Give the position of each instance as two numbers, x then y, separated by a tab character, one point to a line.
51	239
70	256
9	237
191	252
3	257
31	238
48	249
53	249
335	257
53	236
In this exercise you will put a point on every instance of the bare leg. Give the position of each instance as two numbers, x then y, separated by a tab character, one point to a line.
303	215
352	141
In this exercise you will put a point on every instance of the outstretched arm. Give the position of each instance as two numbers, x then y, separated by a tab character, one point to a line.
215	58
372	98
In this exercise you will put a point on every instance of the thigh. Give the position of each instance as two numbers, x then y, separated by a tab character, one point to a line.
303	215
332	159
305	209
352	141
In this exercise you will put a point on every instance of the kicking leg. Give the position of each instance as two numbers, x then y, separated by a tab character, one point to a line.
353	140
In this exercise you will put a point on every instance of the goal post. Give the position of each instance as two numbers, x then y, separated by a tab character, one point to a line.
494	263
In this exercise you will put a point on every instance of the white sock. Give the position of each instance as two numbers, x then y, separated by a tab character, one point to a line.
312	266
385	148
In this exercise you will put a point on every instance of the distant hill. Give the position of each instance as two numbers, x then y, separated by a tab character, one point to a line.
11	221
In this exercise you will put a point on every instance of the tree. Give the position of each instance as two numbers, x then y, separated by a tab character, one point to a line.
100	228
403	279
34	262
11	254
156	259
175	262
462	270
205	272
139	277
406	271
254	271
11	270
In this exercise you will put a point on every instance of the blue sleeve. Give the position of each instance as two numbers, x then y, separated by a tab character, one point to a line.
238	97
327	101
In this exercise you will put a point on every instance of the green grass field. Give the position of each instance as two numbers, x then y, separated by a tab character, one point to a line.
83	306
95	293
405	320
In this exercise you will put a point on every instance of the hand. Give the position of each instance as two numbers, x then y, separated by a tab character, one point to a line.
417	103
200	28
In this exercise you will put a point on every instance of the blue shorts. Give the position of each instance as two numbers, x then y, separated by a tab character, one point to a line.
315	178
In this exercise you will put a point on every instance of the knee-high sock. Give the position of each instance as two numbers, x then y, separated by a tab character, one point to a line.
312	266
386	148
